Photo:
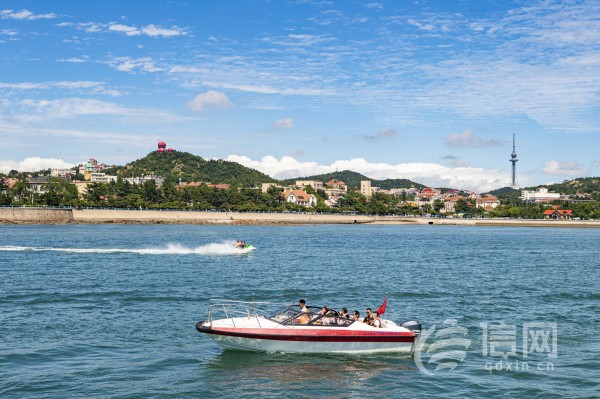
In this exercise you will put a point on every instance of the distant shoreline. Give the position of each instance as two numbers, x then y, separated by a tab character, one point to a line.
30	215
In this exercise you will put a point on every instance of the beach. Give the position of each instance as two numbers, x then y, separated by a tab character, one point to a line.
32	215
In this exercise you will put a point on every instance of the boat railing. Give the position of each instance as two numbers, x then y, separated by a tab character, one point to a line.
232	309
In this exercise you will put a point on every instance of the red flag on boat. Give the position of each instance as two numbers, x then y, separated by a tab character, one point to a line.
381	309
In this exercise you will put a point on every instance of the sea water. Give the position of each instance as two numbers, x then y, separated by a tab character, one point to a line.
108	311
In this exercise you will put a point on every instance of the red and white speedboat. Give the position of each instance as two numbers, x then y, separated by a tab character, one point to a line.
290	330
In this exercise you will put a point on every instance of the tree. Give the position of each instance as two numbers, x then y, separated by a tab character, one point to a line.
438	204
150	191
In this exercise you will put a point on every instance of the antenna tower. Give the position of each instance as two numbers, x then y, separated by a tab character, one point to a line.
513	159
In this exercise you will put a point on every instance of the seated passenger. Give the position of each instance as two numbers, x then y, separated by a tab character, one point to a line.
345	313
304	317
325	311
376	320
356	316
367	319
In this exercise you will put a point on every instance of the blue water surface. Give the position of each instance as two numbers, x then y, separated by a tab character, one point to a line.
108	311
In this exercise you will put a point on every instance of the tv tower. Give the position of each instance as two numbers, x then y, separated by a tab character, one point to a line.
513	159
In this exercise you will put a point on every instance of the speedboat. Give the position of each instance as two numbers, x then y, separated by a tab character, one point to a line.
291	330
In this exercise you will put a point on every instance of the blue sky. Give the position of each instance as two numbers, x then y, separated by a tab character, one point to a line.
426	90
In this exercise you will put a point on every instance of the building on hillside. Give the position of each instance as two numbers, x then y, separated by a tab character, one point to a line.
264	187
188	185
61	172
315	184
299	197
430	193
337	185
332	202
82	187
38	184
99	177
158	180
367	189
10	182
90	166
410	192
41	184
450	204
542	195
219	186
487	202
558	214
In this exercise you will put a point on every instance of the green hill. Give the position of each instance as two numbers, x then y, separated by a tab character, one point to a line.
178	165
581	185
506	192
352	179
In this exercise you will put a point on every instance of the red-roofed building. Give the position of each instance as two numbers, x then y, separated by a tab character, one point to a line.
299	197
488	202
558	214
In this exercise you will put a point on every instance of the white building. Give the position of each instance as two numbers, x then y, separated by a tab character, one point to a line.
142	179
99	177
542	195
315	184
300	197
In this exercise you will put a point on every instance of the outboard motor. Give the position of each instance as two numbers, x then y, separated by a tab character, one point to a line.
412	325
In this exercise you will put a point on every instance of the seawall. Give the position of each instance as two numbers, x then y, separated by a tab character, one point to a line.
30	215
36	215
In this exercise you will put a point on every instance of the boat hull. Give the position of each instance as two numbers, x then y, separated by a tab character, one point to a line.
300	340
268	345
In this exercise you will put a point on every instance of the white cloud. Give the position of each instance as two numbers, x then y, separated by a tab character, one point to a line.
382	134
152	30
470	178
263	89
564	168
34	110
285	123
75	85
209	99
128	30
128	64
148	30
33	164
24	15
469	139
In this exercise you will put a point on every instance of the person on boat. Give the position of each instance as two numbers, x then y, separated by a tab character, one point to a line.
367	319
376	320
326	312
304	317
240	244
302	305
345	313
356	316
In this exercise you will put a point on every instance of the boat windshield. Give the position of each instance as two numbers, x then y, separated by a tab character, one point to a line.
292	315
282	315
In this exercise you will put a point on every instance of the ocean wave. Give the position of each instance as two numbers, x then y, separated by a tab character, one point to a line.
223	248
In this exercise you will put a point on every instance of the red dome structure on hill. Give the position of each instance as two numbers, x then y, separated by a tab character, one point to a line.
170	149
161	146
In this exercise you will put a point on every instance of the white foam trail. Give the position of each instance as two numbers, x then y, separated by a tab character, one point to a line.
224	248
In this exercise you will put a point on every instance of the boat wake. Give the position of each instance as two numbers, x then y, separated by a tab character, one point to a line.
224	248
